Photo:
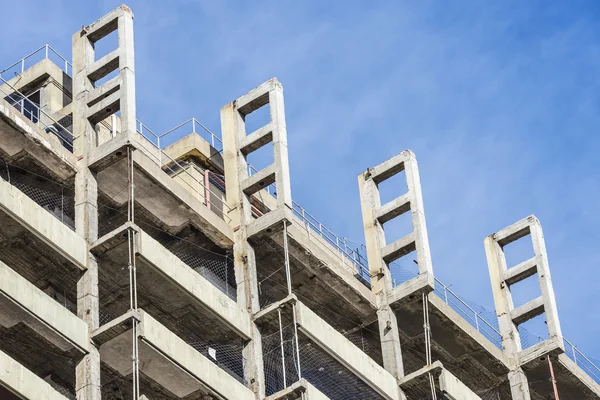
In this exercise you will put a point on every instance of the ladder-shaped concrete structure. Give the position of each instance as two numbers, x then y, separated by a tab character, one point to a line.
509	317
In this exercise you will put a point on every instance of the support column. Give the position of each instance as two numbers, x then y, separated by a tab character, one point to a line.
237	145
91	104
509	317
380	254
244	258
87	383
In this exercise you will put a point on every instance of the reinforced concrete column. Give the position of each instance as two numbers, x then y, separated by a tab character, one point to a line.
381	281
244	257
93	103
509	318
87	371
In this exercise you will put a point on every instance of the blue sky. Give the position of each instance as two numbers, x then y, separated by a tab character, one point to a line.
499	101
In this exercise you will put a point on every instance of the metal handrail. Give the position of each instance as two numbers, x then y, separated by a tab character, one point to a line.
47	50
41	112
575	351
310	221
143	129
477	315
215	141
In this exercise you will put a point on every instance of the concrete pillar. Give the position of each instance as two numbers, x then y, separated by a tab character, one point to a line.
509	317
380	254
269	93
244	257
86	71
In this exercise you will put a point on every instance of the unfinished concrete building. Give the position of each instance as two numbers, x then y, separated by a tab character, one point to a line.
136	265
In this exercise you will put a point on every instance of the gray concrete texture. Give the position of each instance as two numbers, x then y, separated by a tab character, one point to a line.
213	271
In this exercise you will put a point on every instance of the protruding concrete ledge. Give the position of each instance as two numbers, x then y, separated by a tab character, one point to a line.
306	244
21	301
24	383
537	353
198	288
411	289
445	382
346	352
43	225
301	390
584	378
158	193
482	342
170	362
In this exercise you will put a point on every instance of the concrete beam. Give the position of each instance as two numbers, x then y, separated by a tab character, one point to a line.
521	271
346	352
445	382
256	139
171	362
43	225
18	134
172	268
393	209
301	390
24	383
527	311
399	248
466	327
423	283
21	301
259	180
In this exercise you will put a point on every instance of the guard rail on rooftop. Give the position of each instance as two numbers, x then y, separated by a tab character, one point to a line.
46	51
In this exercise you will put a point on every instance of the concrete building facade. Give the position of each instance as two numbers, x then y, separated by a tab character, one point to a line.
136	265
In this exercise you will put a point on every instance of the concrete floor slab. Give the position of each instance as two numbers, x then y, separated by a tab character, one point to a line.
449	386
314	264
171	362
22	382
20	139
21	301
572	382
165	200
161	273
43	225
345	352
301	390
463	350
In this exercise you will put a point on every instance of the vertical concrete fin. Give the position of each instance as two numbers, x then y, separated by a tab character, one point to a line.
375	215
502	278
269	93
380	254
95	103
509	318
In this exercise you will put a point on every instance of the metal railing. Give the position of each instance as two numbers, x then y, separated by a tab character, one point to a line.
340	244
471	315
46	51
581	360
166	162
194	124
35	114
344	250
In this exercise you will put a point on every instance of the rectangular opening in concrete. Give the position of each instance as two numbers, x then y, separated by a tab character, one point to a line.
257	119
260	158
393	187
404	269
106	45
525	290
398	227
518	251
533	331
